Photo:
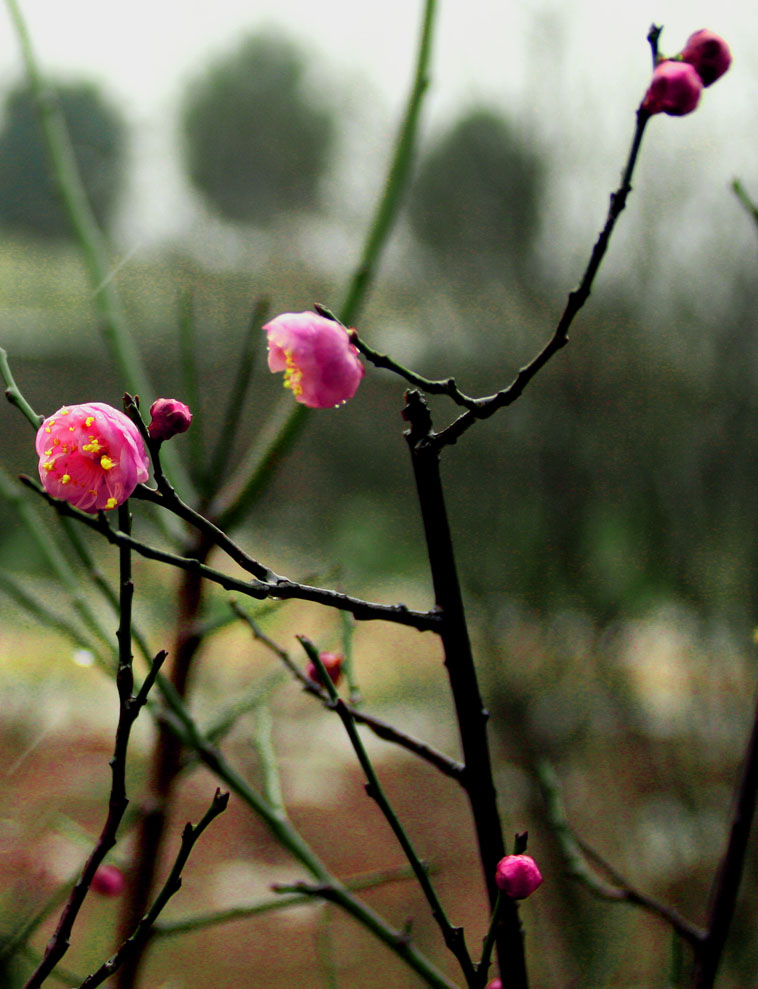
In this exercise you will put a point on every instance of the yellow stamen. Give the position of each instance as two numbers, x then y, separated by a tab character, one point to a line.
111	503
64	412
49	453
65	479
48	464
92	447
292	374
106	463
89	420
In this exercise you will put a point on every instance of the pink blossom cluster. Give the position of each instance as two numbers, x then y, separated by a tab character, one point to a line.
320	364
91	456
678	82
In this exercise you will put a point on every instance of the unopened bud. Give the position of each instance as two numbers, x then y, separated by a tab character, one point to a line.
675	89
168	417
108	881
332	664
517	876
709	54
494	984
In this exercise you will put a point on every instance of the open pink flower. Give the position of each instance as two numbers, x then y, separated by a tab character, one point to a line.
91	456
675	89
709	54
517	876
320	363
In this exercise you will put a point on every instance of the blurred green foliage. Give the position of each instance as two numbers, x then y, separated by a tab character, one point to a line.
475	205
28	198
257	138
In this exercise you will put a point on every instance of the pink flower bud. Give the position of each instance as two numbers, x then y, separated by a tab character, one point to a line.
709	54
332	664
494	984
91	456
675	89
320	363
517	876
108	881
168	417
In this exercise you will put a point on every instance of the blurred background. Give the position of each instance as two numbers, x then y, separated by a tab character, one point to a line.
604	523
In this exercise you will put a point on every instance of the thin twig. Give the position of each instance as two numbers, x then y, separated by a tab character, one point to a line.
381	728
576	851
357	884
486	407
282	588
327	886
129	708
173	883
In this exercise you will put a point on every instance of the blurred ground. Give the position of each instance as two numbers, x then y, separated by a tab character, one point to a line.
645	738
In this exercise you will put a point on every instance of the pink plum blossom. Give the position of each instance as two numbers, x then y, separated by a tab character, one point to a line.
675	89
320	364
517	876
91	456
169	416
709	54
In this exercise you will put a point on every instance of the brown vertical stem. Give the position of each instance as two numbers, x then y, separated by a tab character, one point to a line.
165	763
459	661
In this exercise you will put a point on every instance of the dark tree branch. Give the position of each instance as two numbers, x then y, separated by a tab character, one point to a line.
729	876
459	661
282	588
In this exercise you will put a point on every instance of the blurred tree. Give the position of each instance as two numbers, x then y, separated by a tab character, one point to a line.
475	204
28	198
257	141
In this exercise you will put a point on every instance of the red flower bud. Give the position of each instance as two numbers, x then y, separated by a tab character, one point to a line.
332	664
169	417
675	89
494	984
709	54
108	881
517	876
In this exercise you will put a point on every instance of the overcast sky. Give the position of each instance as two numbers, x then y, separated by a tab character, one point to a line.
557	68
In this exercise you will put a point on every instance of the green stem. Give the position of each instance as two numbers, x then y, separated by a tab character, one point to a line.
13	393
398	175
55	561
328	887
